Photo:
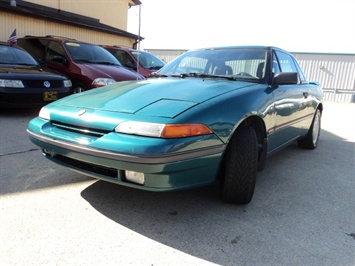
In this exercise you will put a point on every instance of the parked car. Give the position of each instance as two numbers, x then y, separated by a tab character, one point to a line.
211	114
142	62
24	83
87	65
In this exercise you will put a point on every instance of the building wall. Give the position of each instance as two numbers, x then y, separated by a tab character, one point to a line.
167	55
334	72
110	12
36	27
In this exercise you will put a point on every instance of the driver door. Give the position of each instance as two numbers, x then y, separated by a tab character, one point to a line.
290	102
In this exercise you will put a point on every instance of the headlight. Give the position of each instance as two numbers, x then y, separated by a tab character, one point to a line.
140	128
44	113
11	83
162	130
67	83
99	82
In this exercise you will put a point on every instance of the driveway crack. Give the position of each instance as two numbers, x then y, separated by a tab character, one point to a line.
18	152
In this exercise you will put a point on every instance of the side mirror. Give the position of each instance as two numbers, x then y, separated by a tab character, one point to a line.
285	78
60	59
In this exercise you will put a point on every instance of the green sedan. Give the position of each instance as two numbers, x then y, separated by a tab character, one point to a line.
211	115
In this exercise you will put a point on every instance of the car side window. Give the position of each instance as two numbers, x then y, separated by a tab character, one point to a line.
301	74
286	63
34	46
55	49
275	65
124	58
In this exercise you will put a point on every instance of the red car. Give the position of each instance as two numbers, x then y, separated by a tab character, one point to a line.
140	61
87	65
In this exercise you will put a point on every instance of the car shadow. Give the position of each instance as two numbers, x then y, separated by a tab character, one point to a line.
192	219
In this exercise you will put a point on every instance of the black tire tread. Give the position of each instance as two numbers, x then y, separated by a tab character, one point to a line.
241	162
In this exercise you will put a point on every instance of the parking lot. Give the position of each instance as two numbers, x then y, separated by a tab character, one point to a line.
302	213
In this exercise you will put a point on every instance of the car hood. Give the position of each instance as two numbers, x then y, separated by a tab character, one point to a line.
19	72
118	73
166	97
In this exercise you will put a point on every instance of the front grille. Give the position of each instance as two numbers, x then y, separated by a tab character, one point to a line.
88	167
82	130
39	84
25	99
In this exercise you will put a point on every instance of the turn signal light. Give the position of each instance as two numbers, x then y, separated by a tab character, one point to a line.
184	130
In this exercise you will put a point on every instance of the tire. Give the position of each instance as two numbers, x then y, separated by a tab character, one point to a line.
79	87
262	156
240	167
310	141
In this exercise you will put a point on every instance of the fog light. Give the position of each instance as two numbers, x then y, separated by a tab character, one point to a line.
135	177
46	152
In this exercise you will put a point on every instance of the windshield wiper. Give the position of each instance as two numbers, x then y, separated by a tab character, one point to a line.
203	75
84	61
18	64
96	62
155	67
106	63
157	75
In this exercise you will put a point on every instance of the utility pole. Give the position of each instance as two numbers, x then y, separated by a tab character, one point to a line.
139	28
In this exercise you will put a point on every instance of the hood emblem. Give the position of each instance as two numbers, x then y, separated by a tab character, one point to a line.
81	112
47	84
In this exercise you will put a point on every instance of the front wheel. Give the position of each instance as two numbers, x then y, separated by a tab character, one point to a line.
310	141
79	87
240	167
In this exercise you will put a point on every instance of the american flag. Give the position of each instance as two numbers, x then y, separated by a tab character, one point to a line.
13	38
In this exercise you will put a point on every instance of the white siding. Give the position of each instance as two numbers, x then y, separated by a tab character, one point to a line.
334	72
167	55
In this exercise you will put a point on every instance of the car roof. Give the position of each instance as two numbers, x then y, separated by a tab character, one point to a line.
120	48
241	47
12	45
48	37
4	43
7	44
57	38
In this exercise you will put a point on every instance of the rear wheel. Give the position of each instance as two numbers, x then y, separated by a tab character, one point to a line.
310	141
240	167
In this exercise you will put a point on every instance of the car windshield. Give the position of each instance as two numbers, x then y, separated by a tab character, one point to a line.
244	63
89	53
13	56
147	60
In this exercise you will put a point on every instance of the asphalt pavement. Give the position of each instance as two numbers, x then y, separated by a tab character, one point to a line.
302	213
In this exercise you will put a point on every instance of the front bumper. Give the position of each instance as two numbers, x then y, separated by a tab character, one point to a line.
162	171
29	98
